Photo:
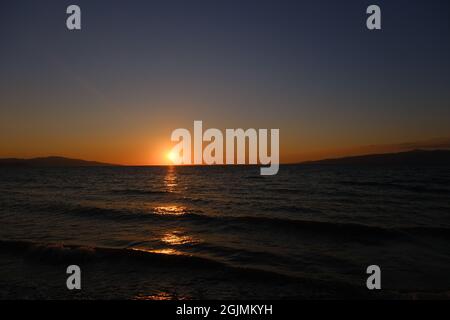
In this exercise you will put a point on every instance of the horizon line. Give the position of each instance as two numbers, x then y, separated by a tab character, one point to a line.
106	164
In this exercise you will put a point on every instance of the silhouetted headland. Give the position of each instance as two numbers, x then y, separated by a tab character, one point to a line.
51	162
408	158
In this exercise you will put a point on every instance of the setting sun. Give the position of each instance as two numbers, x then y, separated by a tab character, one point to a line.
171	156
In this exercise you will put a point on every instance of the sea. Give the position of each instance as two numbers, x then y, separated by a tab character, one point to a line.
225	232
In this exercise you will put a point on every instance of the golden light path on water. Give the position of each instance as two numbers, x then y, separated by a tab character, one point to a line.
170	179
168	251
171	185
161	296
176	238
173	210
172	238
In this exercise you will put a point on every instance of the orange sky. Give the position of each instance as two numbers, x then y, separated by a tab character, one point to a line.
114	92
144	147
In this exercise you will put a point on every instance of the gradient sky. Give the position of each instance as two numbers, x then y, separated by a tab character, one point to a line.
137	70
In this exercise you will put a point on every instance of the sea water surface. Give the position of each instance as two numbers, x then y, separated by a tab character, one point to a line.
225	232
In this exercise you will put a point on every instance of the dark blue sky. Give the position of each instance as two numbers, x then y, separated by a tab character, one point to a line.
139	69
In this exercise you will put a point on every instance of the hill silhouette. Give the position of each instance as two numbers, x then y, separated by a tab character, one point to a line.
51	162
410	158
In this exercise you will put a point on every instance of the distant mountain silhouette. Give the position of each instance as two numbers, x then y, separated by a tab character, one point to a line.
51	162
409	158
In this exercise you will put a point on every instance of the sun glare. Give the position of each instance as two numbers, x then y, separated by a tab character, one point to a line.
172	157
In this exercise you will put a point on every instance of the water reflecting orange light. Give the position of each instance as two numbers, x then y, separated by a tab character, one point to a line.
170	210
175	238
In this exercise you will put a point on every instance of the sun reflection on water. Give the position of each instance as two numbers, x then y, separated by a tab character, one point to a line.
168	251
170	179
172	238
174	210
160	296
175	238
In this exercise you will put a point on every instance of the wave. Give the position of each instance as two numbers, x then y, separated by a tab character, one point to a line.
118	261
75	254
255	223
62	253
242	255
